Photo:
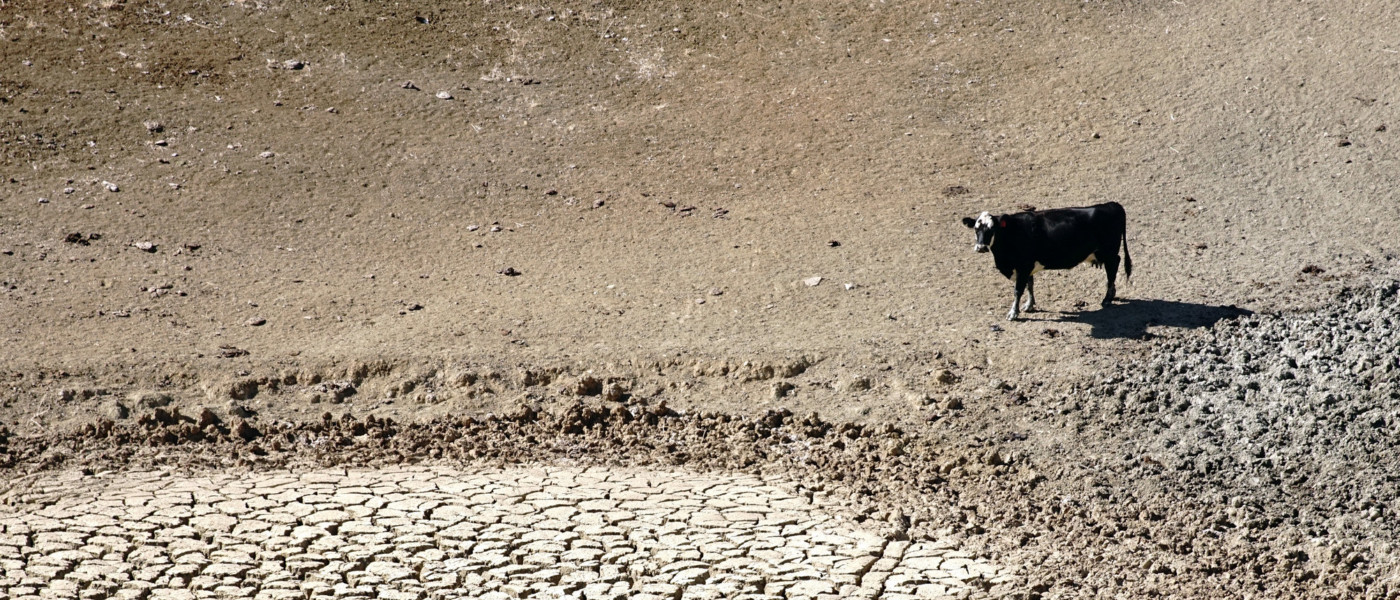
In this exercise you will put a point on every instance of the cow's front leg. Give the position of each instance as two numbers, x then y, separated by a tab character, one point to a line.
1029	306
1021	282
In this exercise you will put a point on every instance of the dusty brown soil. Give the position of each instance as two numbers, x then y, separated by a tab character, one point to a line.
439	210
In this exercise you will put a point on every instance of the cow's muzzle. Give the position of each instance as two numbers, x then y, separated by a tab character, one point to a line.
981	247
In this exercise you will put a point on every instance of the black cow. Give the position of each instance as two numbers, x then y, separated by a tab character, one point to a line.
1025	243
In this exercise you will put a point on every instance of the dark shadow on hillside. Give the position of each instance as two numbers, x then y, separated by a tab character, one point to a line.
1130	318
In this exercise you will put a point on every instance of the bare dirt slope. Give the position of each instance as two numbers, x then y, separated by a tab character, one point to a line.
329	198
423	209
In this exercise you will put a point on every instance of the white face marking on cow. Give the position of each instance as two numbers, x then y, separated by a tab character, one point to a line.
983	227
984	220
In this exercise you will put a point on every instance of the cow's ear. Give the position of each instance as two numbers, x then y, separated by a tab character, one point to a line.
969	222
1002	221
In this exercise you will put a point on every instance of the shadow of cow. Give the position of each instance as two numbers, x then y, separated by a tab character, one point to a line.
1129	319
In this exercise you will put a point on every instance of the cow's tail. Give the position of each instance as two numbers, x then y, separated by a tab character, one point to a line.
1127	258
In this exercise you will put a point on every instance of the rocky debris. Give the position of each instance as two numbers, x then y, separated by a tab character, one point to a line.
444	95
336	391
588	385
226	351
945	377
509	272
855	383
266	154
1256	431
245	430
144	246
115	411
408	85
614	391
150	400
255	322
812	281
206	418
780	389
80	239
153	126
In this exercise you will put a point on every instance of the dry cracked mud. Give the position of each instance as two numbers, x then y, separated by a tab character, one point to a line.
438	532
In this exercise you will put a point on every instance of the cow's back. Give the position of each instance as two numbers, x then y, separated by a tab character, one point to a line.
1063	238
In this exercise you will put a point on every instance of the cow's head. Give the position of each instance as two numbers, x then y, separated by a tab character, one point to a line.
985	227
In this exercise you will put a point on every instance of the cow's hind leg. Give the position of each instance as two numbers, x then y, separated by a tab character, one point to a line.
1022	281
1029	306
1110	268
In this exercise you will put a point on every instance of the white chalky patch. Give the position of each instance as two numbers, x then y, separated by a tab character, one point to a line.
438	532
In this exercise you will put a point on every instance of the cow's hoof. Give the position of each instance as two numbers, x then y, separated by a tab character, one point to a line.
1011	316
1107	302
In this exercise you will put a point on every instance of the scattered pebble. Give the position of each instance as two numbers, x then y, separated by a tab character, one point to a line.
408	85
444	95
231	352
812	281
833	244
153	126
256	322
293	64
144	246
43	201
509	272
598	204
111	187
267	154
68	190
946	377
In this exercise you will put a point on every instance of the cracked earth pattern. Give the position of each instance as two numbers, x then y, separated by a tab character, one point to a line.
437	532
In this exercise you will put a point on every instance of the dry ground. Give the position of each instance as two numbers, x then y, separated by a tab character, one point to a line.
424	209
